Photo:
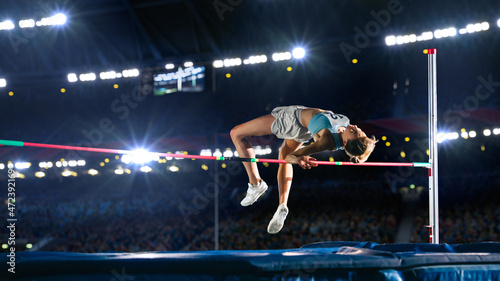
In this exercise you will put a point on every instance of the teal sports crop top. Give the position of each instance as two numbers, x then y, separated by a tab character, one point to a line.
331	121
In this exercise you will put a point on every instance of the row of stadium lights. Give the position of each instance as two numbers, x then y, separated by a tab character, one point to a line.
297	53
437	34
57	19
140	157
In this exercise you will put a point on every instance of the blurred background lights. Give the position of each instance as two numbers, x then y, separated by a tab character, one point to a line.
93	172
57	19
29	23
169	66
145	169
298	53
6	25
3	82
487	132
282	56
72	77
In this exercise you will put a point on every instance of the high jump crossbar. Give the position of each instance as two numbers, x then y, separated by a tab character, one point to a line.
220	158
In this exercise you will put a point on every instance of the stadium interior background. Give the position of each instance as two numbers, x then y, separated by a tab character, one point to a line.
170	204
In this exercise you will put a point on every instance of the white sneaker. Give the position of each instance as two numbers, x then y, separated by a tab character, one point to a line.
276	224
253	193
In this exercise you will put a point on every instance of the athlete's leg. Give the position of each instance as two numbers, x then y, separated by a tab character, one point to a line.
257	127
285	171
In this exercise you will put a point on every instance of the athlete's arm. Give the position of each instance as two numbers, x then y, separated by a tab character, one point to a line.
324	142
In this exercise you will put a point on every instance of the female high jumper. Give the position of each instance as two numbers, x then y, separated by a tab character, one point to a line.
297	124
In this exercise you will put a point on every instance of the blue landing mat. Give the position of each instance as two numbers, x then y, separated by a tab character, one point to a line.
318	261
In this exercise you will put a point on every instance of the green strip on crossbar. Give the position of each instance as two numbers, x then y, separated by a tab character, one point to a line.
11	143
220	158
338	163
255	160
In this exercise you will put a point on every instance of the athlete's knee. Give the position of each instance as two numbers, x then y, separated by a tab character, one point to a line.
236	134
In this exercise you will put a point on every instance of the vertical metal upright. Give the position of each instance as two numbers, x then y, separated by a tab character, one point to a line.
216	201
433	150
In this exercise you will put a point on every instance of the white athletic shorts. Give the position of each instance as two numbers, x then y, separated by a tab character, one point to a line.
287	124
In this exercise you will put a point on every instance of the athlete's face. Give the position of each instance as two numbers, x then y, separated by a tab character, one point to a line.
352	132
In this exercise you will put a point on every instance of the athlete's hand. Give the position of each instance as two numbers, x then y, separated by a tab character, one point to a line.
303	161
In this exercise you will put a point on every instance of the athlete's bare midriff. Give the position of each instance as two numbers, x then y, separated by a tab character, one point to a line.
307	114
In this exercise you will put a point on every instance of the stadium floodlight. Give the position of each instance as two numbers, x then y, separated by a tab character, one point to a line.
169	66
93	172
472	134
72	77
282	56
464	135
218	63
134	72
188	64
173	168
496	131
206	152
29	23
390	40
2	166
217	153
232	62
108	75
39	174
3	82
498	22
87	77
487	132
6	25
298	53
485	26
57	19
255	59
228	153
22	165
145	169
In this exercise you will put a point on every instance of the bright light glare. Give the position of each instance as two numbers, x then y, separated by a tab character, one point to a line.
108	75
57	19
232	62
146	169
93	172
27	23
22	165
130	72
86	77
169	66
139	156
218	63
487	132
6	25
173	168
472	134
3	82
298	53
496	131
72	77
282	56
498	22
